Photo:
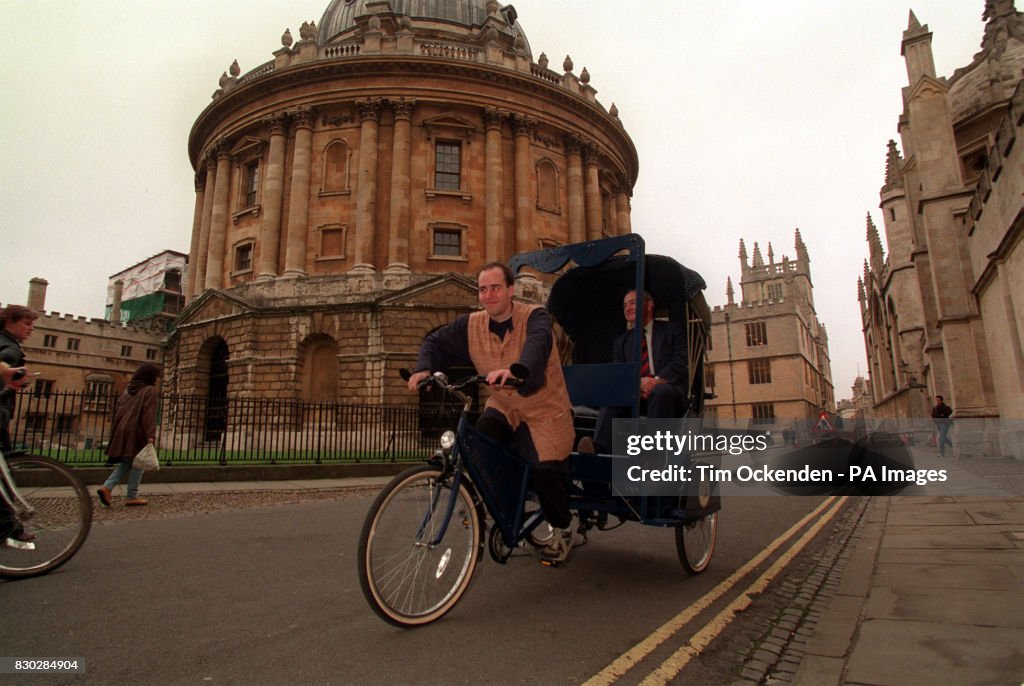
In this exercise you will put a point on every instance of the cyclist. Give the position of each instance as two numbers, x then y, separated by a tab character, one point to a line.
535	418
16	324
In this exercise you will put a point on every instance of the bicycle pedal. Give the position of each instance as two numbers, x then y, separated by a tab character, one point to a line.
19	545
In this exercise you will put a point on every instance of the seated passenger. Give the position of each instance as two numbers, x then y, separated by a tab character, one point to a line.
664	377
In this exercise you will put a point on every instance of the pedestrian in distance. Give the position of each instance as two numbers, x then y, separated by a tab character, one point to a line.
134	427
940	413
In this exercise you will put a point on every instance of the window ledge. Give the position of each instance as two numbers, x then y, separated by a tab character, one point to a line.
330	258
432	193
449	258
328	194
254	211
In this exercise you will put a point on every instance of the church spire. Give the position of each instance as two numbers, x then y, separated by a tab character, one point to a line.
875	246
758	260
801	248
893	168
730	293
743	253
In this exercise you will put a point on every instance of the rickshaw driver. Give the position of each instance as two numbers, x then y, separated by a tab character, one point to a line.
664	376
536	417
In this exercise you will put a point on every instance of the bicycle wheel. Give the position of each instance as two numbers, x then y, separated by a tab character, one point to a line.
695	542
60	517
408	578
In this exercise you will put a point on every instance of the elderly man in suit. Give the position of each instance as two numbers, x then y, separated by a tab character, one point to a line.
664	377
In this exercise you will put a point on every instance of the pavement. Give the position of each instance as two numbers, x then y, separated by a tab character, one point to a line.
932	590
929	590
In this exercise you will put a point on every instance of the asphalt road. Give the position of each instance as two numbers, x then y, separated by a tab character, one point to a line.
270	595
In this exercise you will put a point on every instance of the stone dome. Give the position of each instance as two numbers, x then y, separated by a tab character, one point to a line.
340	16
994	72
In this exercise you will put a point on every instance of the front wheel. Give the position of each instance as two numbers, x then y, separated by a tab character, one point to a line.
416	561
59	517
695	542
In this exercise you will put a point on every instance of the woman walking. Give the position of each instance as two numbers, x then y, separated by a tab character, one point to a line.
134	427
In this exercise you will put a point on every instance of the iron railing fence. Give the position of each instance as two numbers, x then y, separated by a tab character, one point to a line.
74	427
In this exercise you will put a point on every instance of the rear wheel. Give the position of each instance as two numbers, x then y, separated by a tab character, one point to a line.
59	518
695	542
412	568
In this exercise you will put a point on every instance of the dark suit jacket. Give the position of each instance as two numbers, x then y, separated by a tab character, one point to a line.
670	353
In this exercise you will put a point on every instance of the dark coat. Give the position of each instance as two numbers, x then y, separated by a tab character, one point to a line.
670	353
134	423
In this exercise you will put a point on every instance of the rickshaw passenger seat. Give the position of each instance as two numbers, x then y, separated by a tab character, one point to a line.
600	385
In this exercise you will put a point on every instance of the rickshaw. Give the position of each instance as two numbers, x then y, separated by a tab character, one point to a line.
426	531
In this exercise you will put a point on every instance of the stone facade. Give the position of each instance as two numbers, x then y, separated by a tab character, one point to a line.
348	190
941	303
769	356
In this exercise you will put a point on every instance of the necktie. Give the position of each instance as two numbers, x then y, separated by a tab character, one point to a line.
645	357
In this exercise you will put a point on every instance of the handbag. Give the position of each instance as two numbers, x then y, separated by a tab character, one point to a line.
146	460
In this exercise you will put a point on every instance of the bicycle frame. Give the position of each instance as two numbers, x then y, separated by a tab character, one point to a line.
10	492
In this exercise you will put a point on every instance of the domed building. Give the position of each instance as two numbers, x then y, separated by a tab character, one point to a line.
941	302
348	189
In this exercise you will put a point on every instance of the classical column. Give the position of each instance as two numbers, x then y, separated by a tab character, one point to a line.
622	210
592	192
523	127
197	224
219	220
273	198
493	184
574	182
298	201
198	266
399	230
366	193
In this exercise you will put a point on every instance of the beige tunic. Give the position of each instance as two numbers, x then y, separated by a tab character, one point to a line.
547	413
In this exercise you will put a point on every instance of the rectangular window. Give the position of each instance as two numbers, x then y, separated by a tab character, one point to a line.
66	424
332	240
35	422
447	165
759	371
98	395
757	334
73	343
775	291
448	242
764	413
709	376
49	341
150	354
43	388
243	257
252	180
126	351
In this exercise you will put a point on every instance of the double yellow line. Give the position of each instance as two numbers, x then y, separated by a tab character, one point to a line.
671	667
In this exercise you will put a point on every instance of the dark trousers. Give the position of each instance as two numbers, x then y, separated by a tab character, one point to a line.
548	476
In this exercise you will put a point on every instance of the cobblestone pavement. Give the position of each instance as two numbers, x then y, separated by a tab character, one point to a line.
766	642
169	505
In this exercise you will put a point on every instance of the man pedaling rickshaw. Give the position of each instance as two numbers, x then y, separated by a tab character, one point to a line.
535	417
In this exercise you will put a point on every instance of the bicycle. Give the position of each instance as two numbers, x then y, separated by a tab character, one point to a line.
52	504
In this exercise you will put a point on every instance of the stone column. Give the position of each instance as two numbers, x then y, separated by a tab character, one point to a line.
622	210
298	202
366	192
198	266
493	184
592	192
524	174
219	220
574	182
273	198
399	230
197	224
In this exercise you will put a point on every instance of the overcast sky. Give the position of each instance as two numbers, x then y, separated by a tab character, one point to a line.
750	118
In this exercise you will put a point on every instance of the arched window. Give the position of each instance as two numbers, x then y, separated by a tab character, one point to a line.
320	369
336	159
547	186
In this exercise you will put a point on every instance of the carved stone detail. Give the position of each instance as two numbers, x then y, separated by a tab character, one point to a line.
369	109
